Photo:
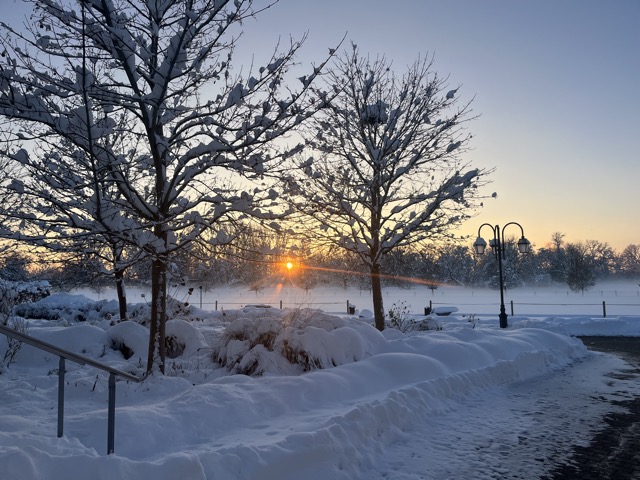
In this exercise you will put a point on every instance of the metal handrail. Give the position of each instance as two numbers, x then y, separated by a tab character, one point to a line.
81	360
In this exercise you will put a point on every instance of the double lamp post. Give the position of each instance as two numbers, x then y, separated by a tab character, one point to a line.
498	246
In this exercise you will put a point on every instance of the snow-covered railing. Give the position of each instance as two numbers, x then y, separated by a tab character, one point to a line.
81	360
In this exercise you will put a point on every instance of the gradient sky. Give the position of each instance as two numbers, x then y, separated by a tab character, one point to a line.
557	85
556	82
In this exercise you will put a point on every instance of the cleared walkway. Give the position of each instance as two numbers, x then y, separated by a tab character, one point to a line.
614	452
529	430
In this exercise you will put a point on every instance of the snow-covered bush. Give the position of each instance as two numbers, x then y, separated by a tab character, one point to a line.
70	308
183	338
141	312
130	339
399	317
15	293
292	341
13	345
11	295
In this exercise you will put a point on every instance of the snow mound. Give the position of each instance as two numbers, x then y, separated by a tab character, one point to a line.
83	339
293	341
68	308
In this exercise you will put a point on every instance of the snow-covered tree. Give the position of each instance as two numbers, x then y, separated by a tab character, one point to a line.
630	261
456	264
156	133
581	273
14	266
7	196
602	256
385	170
66	204
487	270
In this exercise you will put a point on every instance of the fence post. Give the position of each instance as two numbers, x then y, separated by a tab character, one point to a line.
604	309
61	369
512	308
280	304
216	305
111	415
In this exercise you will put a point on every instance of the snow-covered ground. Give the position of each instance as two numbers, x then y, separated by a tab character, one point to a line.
620	297
467	401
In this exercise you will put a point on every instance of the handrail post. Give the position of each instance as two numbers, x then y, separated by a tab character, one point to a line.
61	369
111	417
81	360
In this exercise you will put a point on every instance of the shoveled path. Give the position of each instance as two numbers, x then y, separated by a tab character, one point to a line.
614	452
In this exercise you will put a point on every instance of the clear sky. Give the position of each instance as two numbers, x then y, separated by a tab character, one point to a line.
557	85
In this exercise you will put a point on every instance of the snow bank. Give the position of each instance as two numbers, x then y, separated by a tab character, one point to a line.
203	422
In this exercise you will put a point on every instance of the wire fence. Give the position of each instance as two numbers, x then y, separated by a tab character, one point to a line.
544	301
343	306
601	309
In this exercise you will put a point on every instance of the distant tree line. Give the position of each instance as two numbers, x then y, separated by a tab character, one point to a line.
258	260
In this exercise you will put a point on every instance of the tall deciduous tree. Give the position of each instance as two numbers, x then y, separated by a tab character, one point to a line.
602	256
630	261
455	264
141	94
385	171
581	272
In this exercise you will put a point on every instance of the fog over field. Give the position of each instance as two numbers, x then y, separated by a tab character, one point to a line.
620	297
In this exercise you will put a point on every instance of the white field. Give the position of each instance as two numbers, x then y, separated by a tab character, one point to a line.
620	297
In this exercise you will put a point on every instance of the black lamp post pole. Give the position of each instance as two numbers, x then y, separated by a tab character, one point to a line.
498	253
498	249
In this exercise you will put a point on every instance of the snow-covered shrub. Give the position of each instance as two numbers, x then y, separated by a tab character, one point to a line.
129	338
292	341
173	346
15	293
426	323
132	339
177	308
13	345
141	312
11	295
399	317
70	308
119	345
8	297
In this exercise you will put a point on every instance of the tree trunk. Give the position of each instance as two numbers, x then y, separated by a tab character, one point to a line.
118	274
157	347
376	290
122	294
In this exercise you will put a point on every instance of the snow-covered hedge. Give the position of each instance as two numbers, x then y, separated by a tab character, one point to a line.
292	341
15	293
70	308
